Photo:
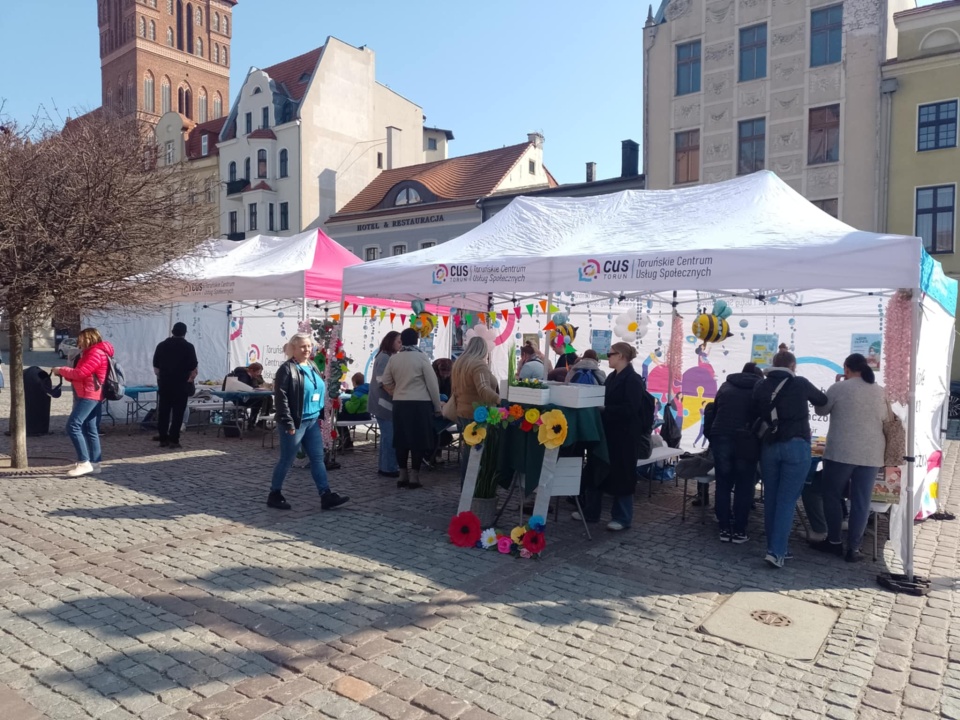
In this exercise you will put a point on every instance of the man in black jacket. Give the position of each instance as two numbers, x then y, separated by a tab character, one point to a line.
735	450
175	365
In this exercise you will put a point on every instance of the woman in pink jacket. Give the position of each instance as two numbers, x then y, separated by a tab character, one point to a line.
87	380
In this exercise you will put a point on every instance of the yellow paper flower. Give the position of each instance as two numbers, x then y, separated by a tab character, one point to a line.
553	431
532	415
473	434
516	535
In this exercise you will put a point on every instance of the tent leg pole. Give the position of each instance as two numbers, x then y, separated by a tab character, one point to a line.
546	335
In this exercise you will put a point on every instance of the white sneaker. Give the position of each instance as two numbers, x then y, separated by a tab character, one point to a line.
615	526
576	516
815	536
96	468
81	468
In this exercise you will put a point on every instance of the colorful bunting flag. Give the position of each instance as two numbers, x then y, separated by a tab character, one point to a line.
403	319
517	311
543	305
468	318
335	318
446	319
363	311
550	326
382	314
554	308
393	316
355	306
530	309
346	304
505	313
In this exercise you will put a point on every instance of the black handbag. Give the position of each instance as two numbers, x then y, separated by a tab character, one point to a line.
766	429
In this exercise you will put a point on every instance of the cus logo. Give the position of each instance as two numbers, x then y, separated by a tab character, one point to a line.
440	274
589	271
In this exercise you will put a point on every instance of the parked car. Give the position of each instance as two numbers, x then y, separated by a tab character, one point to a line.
66	345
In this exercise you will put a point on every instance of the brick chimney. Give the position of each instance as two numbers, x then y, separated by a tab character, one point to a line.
630	159
393	147
591	172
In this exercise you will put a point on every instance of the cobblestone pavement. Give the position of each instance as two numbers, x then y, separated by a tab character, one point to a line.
165	589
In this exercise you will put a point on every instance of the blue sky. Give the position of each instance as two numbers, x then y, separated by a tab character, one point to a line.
490	71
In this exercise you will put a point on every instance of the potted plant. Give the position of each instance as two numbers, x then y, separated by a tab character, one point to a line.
484	436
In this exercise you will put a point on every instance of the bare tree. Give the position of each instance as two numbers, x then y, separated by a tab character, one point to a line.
88	220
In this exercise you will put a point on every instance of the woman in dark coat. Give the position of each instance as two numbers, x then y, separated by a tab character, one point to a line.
627	423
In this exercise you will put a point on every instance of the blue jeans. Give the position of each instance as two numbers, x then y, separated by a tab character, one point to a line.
836	475
734	474
82	429
620	511
387	456
311	438
784	467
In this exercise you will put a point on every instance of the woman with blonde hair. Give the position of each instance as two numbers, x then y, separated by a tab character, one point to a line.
472	383
87	380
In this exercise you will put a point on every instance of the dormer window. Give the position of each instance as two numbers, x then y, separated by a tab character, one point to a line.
408	196
305	77
257	91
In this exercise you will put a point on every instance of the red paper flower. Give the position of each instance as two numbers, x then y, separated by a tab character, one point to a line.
336	404
333	434
526	426
534	541
464	529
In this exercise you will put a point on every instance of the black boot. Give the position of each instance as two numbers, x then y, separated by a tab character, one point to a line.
330	500
404	480
276	500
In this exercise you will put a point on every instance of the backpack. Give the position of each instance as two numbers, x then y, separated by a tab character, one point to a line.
648	410
584	377
113	382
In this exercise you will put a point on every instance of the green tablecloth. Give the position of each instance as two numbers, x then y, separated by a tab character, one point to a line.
523	453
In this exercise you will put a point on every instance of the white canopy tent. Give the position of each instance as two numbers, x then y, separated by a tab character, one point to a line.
751	237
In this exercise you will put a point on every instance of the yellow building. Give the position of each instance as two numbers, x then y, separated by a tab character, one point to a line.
921	88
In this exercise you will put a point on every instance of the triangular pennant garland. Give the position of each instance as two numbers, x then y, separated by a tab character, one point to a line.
335	318
363	311
446	319
543	305
393	316
355	306
517	311
403	319
554	308
530	310
346	304
550	326
505	313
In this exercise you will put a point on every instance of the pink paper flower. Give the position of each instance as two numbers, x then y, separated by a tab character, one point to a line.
526	554
503	544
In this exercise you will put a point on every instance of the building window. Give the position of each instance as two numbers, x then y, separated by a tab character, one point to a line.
170	37
252	225
223	55
246	169
233	222
233	172
217	106
204	145
169	7
937	126
687	157
936	208
168	152
830	206
407	196
216	53
199	17
751	146
261	163
431	143
826	35
149	99
284	159
284	216
688	68
152	35
226	26
199	47
216	22
379	161
371	253
399	249
202	107
753	52
270	217
427	244
142	26
165	95
265	117
823	143
211	186
532	167
248	122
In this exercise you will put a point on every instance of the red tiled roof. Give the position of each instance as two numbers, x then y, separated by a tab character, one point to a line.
460	178
93	116
259	186
262	133
211	129
289	72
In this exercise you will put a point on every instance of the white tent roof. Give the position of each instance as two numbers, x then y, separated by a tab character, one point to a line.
748	233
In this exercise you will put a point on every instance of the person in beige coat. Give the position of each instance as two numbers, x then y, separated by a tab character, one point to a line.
410	380
472	384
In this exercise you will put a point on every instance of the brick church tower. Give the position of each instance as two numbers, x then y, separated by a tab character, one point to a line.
162	55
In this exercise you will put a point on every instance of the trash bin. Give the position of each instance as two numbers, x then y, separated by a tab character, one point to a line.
36	402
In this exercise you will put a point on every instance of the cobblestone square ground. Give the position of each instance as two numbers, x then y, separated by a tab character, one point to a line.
164	588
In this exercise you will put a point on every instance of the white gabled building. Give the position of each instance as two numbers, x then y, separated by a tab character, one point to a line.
308	134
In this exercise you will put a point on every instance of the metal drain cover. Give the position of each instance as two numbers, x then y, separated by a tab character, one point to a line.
772	623
769	617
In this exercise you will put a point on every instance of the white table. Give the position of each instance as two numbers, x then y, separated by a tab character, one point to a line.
659	454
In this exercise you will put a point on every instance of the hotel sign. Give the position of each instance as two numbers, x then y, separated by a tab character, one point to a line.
402	222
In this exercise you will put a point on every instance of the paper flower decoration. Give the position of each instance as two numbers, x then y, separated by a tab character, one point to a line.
516	535
534	542
553	429
473	434
488	538
516	412
532	415
537	523
464	530
628	328
525	554
526	426
480	414
503	544
480	330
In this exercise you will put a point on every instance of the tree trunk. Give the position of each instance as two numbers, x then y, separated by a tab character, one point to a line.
18	416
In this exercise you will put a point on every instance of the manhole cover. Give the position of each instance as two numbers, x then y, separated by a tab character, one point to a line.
769	617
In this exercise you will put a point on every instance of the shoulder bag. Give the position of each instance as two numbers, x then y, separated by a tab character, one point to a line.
765	429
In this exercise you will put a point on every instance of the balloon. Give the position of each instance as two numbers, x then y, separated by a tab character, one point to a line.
417	306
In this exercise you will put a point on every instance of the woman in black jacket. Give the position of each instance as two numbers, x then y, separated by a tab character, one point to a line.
735	450
298	392
785	456
627	423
